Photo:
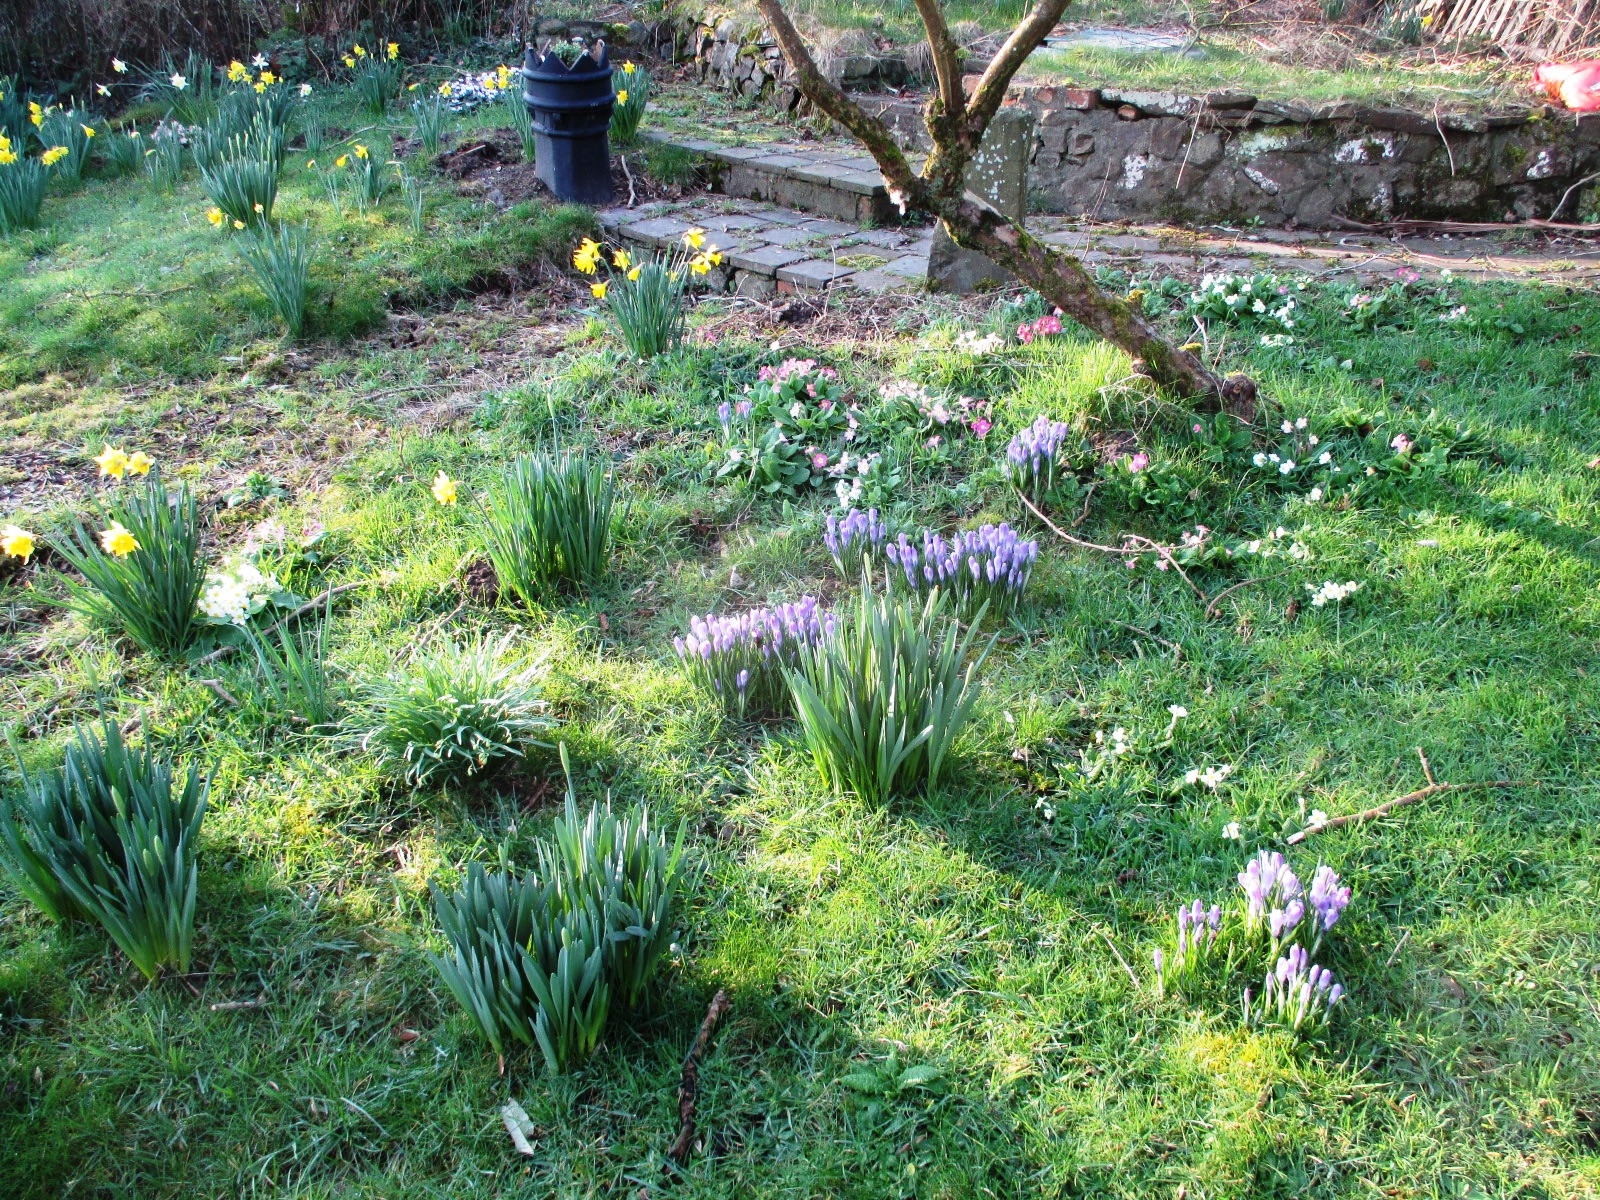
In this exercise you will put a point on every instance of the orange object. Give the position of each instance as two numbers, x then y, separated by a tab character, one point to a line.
1576	84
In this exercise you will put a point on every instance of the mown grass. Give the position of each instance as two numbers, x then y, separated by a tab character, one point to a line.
128	280
960	930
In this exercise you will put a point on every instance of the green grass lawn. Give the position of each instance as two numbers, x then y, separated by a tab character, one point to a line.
996	932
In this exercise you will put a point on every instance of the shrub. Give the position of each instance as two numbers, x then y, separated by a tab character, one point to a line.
526	969
145	564
280	262
110	837
538	960
70	128
372	182
431	115
186	90
881	700
22	184
163	158
123	151
629	106
243	189
521	121
647	298
456	712
550	521
741	658
375	76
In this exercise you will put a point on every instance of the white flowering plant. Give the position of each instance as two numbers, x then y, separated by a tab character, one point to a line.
236	591
1263	302
1356	453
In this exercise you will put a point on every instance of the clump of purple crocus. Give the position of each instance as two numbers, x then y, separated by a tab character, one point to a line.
855	539
1297	994
1274	897
1198	932
1033	459
990	564
740	657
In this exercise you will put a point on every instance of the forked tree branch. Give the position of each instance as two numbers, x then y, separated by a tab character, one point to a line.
976	225
1024	40
868	130
946	59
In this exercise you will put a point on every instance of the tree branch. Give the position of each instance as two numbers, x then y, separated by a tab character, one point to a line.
1062	280
868	130
1422	793
946	59
1024	40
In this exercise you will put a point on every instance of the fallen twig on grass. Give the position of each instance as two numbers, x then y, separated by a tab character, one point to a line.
315	602
689	1086
1133	543
1177	650
1211	608
633	201
223	693
1434	788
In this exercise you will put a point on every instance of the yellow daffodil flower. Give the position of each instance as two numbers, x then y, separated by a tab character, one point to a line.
587	256
444	488
7	157
118	541
120	67
358	51
88	130
268	77
342	160
215	216
236	71
633	275
599	289
699	265
260	210
139	463
111	461
348	61
260	87
411	87
238	224
694	238
714	257
628	68
394	50
53	155
504	72
445	89
361	151
622	96
16	542
620	260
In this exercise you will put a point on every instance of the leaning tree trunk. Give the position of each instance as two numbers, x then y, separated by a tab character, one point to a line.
956	125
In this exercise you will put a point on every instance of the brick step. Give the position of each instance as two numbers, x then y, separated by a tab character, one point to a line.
837	183
769	250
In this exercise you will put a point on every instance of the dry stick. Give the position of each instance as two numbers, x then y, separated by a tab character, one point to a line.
1422	793
1120	959
223	693
314	602
1228	591
1165	552
690	1084
623	159
1177	650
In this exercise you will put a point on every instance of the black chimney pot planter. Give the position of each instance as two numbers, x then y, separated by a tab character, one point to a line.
571	108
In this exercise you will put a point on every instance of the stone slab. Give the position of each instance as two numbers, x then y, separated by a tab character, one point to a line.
909	266
657	231
813	273
863	183
766	260
880	280
830	228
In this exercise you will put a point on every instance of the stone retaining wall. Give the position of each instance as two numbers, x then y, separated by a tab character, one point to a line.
1116	153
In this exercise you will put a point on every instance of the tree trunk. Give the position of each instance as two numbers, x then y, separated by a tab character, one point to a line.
957	125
